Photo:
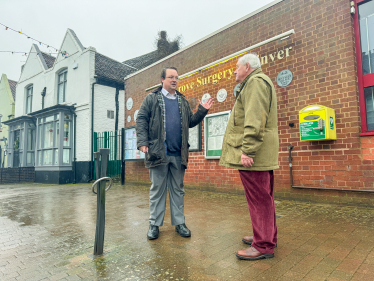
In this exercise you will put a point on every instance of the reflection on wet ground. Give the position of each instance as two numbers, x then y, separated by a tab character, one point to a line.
47	233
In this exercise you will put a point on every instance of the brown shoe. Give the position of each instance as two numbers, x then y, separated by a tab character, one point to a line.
252	254
249	240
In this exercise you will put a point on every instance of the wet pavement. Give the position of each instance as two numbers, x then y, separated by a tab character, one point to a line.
47	233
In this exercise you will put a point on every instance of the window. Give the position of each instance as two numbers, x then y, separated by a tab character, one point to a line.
61	86
1	120
54	147
30	145
364	35
29	99
110	114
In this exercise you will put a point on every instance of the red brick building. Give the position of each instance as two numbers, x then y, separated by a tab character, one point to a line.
331	66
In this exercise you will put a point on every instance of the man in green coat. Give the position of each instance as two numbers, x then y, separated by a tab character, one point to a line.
251	146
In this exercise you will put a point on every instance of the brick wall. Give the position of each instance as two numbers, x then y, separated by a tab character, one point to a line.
12	175
322	60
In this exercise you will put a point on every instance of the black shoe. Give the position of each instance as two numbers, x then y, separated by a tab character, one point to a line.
183	230
152	232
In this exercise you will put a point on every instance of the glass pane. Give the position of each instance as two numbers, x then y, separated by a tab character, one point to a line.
21	139
30	139
30	158
366	22
67	116
61	77
66	156
369	103
21	159
48	135
16	144
61	93
56	156
64	93
66	133
47	157
57	134
49	118
40	158
40	128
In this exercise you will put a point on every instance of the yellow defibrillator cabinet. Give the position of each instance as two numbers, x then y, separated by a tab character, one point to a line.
317	122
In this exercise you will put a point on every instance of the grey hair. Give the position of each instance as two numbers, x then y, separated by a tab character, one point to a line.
252	59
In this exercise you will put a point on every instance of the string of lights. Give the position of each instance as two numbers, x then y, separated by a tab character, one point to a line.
28	37
26	53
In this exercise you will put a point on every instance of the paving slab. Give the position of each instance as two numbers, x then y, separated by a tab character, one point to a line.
47	233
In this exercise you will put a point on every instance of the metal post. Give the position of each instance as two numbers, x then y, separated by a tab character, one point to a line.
122	156
101	168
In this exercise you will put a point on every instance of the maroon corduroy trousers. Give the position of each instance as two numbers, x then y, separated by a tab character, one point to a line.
258	187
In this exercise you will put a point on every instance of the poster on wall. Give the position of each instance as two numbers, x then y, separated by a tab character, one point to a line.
214	130
131	152
194	138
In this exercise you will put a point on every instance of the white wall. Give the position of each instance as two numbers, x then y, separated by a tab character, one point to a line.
105	100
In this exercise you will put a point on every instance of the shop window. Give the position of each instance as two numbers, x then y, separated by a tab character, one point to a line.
61	86
364	33
54	148
29	91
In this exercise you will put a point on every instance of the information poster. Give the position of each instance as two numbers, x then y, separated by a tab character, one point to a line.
214	131
131	153
194	138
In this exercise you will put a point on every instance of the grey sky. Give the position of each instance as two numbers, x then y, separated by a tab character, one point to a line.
120	29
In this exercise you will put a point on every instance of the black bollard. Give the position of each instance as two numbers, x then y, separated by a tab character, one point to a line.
101	164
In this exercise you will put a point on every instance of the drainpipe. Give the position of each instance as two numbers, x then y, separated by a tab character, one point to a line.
117	108
74	146
43	95
92	128
290	147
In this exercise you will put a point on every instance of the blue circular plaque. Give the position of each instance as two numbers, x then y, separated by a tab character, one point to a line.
284	78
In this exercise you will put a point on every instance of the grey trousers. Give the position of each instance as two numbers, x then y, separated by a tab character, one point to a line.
162	177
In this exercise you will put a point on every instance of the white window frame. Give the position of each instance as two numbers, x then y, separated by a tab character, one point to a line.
29	89
63	82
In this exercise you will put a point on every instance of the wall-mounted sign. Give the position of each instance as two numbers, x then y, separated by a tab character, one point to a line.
129	103
227	74
284	78
129	118
236	89
136	114
131	152
205	98
221	95
194	138
214	130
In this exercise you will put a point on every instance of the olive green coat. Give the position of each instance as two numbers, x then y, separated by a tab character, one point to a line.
253	126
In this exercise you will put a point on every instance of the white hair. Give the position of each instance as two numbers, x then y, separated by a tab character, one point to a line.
252	59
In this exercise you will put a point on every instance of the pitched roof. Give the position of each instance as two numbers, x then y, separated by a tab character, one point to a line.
49	60
13	85
111	69
143	61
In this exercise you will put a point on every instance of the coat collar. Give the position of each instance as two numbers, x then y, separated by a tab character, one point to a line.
253	73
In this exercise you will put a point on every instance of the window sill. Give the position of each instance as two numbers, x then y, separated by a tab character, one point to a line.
371	133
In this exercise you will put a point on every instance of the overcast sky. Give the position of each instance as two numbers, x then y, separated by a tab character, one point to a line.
120	29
